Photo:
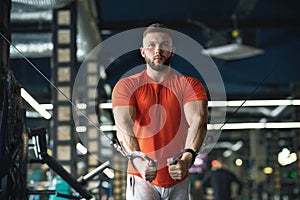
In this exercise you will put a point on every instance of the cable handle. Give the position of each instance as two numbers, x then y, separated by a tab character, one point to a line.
138	154
173	160
135	154
115	143
151	163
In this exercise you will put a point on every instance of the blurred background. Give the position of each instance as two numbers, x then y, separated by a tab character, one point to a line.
254	44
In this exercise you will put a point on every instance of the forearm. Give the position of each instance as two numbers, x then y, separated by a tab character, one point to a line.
196	135
195	138
128	141
196	115
124	117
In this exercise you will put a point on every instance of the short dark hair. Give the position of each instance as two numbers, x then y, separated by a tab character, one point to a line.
157	27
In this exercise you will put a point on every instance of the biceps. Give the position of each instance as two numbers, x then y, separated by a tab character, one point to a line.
196	112
124	117
123	114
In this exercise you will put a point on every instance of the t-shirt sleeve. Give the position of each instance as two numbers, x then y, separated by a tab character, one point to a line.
194	90
122	94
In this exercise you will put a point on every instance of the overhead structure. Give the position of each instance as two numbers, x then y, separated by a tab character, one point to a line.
34	39
235	48
64	64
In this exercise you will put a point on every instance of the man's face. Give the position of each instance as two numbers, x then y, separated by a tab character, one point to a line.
157	50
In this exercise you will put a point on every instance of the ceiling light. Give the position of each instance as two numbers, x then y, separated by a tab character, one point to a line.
277	102
81	129
31	101
235	126
238	162
81	149
278	125
109	173
285	157
268	170
232	51
259	125
47	106
237	145
108	128
81	106
227	153
105	105
236	103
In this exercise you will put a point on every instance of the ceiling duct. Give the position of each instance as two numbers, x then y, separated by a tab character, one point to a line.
41	4
88	35
20	16
33	45
40	44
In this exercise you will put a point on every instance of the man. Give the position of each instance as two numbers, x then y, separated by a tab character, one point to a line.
221	180
159	112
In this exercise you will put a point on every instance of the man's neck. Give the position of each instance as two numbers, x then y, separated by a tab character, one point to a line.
158	76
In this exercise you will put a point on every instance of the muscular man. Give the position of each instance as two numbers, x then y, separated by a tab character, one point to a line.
159	112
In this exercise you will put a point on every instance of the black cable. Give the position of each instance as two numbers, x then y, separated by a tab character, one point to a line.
248	97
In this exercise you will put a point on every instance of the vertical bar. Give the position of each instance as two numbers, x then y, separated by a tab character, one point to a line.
64	67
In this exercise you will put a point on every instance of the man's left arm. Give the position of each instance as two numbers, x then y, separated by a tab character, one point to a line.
196	114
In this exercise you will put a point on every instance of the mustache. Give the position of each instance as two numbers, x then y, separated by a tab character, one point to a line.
159	56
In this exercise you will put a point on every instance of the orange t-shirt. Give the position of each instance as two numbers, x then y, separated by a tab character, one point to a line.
160	125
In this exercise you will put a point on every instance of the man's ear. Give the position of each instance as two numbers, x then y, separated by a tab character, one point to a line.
173	50
142	51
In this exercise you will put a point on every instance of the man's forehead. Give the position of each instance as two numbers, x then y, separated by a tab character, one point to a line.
157	36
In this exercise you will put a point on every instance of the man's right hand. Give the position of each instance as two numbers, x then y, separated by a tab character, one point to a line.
142	166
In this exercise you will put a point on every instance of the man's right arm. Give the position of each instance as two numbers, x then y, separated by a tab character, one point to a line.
124	118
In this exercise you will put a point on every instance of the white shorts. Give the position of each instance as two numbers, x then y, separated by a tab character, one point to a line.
139	189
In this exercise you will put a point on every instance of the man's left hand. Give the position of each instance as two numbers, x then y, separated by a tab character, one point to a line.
178	171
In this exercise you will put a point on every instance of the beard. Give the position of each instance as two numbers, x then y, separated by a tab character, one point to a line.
159	66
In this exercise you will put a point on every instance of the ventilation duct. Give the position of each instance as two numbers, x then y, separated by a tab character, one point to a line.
40	44
88	35
32	45
20	16
41	4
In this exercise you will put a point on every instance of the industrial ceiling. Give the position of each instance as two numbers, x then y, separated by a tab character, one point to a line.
271	26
